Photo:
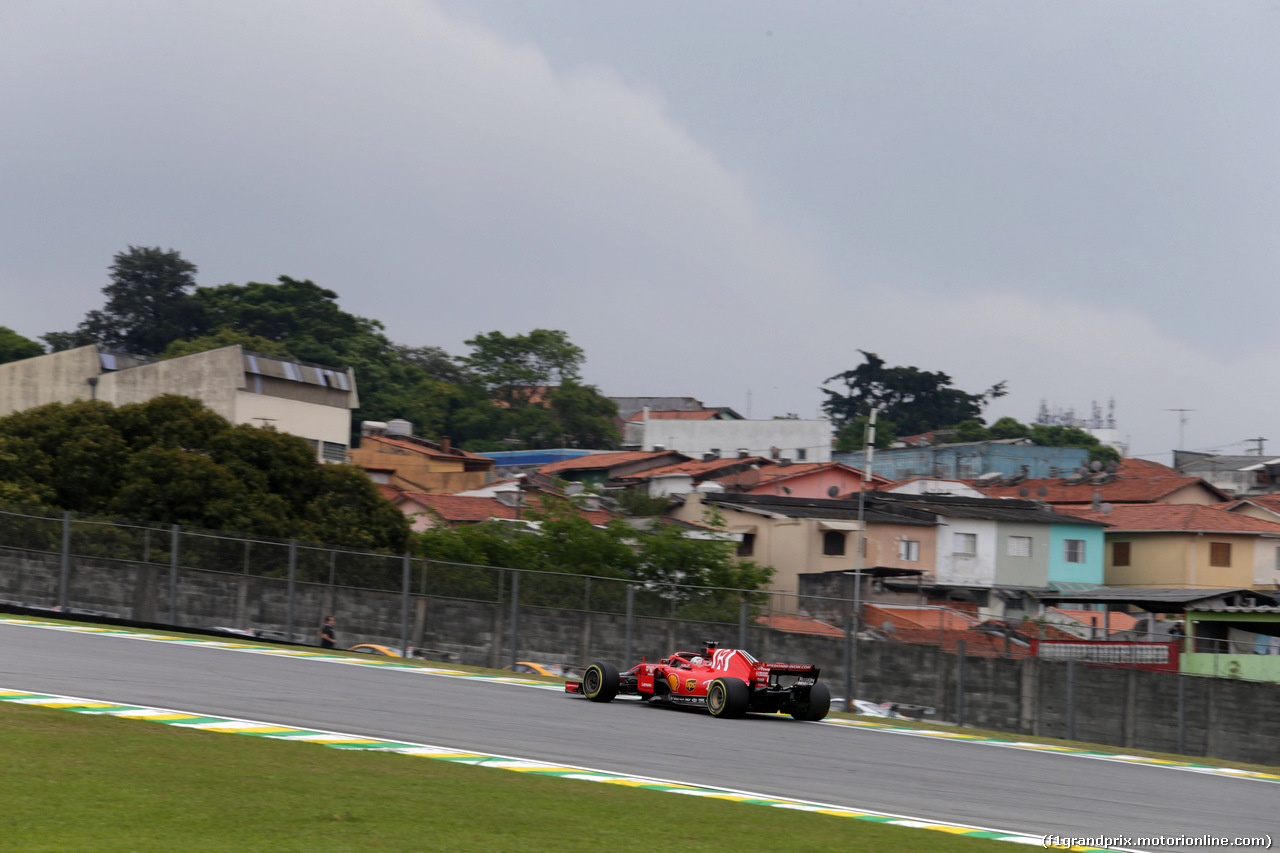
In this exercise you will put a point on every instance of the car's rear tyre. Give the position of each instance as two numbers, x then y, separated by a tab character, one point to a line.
819	704
600	682
728	697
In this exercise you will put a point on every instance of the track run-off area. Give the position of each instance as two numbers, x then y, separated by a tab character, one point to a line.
936	780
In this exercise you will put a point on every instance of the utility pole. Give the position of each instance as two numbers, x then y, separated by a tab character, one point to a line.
1260	442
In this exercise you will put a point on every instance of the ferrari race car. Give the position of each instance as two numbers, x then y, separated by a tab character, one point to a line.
727	682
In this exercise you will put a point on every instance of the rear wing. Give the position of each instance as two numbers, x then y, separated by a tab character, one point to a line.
792	668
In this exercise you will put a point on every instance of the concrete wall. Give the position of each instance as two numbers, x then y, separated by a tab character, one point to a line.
60	377
1222	718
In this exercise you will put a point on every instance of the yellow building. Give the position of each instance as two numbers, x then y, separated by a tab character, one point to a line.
418	465
1187	546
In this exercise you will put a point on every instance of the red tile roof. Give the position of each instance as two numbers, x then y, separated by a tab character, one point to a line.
908	616
1117	620
699	415
1141	489
597	461
778	473
457	508
799	625
422	448
696	468
1174	517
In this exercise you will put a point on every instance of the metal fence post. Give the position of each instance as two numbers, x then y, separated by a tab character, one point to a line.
515	616
404	605
173	575
631	610
742	624
1071	700
293	577
960	683
1182	714
64	581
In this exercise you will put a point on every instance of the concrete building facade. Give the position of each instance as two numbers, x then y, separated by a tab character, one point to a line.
308	400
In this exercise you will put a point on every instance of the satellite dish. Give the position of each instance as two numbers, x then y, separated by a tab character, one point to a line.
1113	467
1023	492
1042	492
1105	509
833	491
1095	465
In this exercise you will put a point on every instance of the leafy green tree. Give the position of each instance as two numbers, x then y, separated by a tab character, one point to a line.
14	347
513	369
852	437
172	461
150	305
914	400
225	337
1045	436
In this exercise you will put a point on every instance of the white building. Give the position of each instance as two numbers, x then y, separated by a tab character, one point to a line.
779	438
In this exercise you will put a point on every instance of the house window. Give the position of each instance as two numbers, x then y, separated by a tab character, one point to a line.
1119	553
747	547
331	451
1019	546
909	550
966	544
833	543
1075	550
800	454
1220	554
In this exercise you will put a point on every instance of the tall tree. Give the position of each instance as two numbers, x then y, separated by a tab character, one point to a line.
914	400
150	304
515	369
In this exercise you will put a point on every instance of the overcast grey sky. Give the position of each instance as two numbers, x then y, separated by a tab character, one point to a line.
723	200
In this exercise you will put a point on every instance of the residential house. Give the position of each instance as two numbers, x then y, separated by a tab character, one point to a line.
795	536
1186	546
597	469
1133	481
1238	476
418	465
997	551
802	480
682	477
297	397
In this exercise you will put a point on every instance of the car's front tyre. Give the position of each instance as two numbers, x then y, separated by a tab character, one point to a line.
600	682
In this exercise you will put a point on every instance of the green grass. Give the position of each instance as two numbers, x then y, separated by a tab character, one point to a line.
72	782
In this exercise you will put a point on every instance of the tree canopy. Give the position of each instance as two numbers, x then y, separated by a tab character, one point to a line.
912	400
1046	436
14	347
149	305
171	460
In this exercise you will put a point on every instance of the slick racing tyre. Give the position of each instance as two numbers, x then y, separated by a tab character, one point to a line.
819	704
600	682
728	697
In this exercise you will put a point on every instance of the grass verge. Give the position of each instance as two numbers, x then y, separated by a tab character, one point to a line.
77	782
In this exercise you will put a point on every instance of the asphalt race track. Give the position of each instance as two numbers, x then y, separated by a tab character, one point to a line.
968	783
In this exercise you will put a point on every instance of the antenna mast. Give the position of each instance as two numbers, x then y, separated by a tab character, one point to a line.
1182	426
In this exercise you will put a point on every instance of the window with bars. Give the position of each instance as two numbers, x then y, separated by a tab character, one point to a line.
965	544
909	550
1074	550
1019	546
331	451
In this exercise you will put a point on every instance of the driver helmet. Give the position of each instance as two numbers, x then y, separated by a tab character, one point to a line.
697	660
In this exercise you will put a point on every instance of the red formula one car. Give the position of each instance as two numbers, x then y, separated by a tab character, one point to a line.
727	682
